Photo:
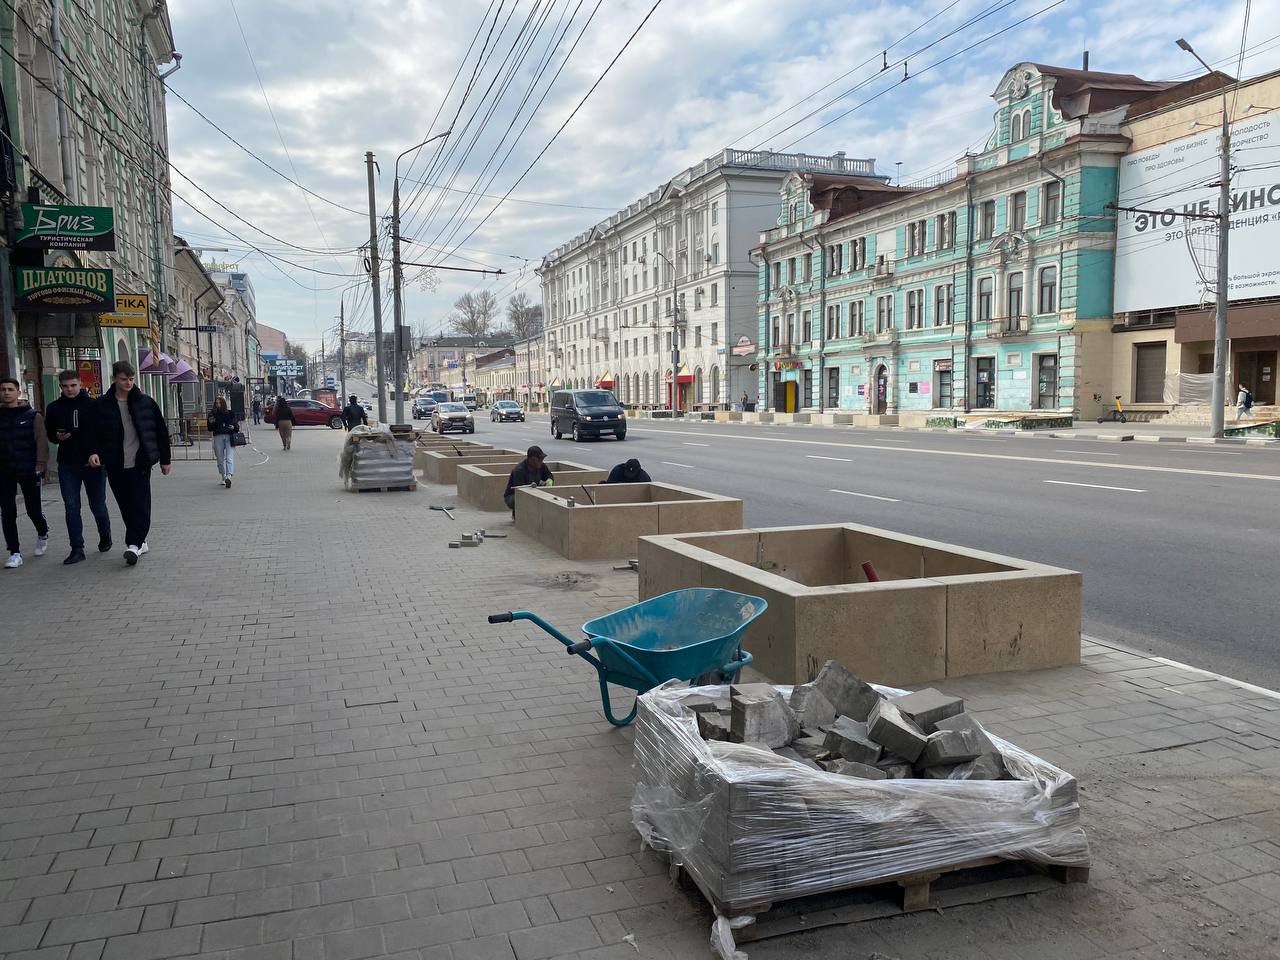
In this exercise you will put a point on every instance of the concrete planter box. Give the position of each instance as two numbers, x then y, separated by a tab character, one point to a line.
467	449
442	466
607	529
483	484
939	610
729	416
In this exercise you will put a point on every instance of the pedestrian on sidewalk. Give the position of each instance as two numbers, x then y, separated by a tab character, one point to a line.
1244	402
224	425
256	409
284	422
129	438
68	422
24	454
530	472
629	472
353	413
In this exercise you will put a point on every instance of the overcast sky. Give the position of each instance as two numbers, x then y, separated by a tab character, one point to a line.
329	80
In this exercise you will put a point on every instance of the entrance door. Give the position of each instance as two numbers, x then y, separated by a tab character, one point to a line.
1148	378
984	387
776	394
1047	381
882	390
1256	369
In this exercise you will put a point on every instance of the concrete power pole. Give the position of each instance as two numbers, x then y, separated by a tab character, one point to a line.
342	347
377	292
1221	348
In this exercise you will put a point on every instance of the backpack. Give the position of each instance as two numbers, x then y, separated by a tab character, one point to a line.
1248	399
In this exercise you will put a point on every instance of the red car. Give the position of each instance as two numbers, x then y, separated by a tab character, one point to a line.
309	413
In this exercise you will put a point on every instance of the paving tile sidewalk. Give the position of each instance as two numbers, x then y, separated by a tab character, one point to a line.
289	732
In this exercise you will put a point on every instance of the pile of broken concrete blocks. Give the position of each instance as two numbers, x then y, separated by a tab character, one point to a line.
840	724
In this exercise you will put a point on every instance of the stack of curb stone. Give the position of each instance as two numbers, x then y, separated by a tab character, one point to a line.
375	460
768	793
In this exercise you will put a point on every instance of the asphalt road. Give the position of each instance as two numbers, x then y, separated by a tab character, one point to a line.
1177	542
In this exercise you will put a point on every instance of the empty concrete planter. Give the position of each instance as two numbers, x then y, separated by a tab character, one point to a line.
441	466
483	484
938	611
604	520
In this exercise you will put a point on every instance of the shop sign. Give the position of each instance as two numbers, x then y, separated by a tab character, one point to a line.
63	289
90	376
941	366
131	311
59	227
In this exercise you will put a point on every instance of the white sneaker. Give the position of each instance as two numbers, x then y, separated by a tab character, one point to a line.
144	548
42	546
14	561
131	554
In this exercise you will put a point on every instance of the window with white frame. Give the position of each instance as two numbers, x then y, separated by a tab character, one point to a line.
715	212
857	318
916	237
945	230
1048	293
1018	211
1015	295
915	309
943	304
1051	202
884	313
715	294
833	321
808	266
715	254
986	298
987	220
858	254
806	326
836	258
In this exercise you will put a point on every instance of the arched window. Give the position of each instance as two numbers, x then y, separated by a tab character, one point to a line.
1015	128
122	349
1015	295
697	385
715	385
1048	302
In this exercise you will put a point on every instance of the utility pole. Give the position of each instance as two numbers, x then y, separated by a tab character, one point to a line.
395	274
377	290
1218	401
342	346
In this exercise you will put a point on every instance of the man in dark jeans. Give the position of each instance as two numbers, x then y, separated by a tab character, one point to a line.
68	422
129	438
24	454
531	471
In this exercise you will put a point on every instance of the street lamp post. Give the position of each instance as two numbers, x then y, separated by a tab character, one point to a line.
395	274
1217	412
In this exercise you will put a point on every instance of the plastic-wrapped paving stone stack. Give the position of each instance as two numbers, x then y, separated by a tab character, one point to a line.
755	826
376	459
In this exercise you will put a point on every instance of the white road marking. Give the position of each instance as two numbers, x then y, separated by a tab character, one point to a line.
814	456
687	466
690	443
1095	486
1145	468
1091	453
1205	449
869	496
891	440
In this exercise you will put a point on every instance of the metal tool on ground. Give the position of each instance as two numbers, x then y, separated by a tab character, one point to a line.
683	635
445	511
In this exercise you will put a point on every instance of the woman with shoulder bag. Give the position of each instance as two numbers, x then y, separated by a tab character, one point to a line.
284	422
224	426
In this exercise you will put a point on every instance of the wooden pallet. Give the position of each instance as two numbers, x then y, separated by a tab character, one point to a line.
976	881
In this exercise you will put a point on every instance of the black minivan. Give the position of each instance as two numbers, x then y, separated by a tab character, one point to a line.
587	413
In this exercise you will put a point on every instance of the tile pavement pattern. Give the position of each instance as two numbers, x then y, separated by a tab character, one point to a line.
290	733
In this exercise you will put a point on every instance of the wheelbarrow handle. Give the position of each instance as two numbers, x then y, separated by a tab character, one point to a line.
582	646
501	617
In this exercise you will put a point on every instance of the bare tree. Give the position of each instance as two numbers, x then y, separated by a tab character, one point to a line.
525	317
474	313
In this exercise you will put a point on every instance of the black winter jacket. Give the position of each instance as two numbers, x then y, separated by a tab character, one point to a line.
74	415
353	414
223	423
522	476
148	421
23	448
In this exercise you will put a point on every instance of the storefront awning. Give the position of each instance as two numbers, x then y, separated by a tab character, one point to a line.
606	380
556	384
684	377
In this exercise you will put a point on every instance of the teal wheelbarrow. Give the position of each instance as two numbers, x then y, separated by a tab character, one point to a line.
683	635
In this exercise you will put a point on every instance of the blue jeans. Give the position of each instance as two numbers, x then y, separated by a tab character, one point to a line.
225	454
70	478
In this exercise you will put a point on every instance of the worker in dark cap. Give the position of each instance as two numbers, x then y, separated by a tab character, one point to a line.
530	472
629	472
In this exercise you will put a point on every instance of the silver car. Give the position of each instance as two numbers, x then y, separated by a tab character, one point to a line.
452	416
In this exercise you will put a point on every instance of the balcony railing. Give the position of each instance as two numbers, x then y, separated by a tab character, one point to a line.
1009	326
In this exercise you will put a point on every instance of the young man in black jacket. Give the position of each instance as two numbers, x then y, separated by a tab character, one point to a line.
353	414
68	422
129	438
24	454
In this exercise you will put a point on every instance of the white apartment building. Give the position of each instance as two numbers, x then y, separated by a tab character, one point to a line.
674	263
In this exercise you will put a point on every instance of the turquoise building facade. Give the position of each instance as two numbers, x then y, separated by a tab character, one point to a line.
986	289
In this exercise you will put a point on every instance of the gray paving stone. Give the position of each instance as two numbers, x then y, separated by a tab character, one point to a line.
157	945
554	940
92	926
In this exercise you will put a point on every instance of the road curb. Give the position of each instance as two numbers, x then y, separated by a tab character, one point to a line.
1178	664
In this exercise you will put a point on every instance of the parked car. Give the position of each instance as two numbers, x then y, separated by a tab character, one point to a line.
469	402
452	416
587	413
506	410
309	413
423	407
